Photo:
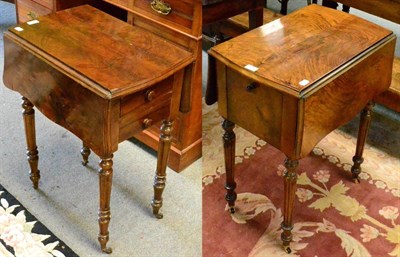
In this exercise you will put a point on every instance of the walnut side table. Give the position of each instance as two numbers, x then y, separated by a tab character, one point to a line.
294	80
103	80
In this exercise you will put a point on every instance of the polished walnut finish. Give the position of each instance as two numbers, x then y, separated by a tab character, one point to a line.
182	26
186	141
289	179
310	72
229	139
129	76
365	121
389	10
160	177
30	134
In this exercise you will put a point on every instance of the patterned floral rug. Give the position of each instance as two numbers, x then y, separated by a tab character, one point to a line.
333	216
21	235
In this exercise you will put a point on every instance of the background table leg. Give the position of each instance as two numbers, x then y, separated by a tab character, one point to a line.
365	121
105	183
284	5
162	158
290	179
30	133
229	139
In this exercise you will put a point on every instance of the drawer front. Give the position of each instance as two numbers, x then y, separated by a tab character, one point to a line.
46	3
27	10
134	127
137	106
180	16
254	107
181	12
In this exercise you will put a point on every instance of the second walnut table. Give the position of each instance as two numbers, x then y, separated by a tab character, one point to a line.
293	81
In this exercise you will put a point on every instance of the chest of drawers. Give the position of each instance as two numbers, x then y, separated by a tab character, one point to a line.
31	9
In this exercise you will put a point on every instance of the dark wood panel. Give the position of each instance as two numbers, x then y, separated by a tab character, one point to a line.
110	40
60	98
219	10
387	9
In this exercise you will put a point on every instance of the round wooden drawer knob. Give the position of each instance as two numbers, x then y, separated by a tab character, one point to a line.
147	122
150	94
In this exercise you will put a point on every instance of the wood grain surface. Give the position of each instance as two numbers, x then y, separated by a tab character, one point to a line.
286	54
96	45
61	99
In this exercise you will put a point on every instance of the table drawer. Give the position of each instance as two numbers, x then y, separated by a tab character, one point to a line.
254	107
181	11
137	106
134	127
27	9
46	3
181	14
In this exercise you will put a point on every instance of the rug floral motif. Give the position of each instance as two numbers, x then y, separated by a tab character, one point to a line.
333	216
21	235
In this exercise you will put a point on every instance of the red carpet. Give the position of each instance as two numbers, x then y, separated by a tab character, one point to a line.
333	216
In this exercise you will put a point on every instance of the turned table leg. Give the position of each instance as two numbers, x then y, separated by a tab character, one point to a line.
284	5
365	120
30	133
162	158
85	152
229	139
290	179
105	183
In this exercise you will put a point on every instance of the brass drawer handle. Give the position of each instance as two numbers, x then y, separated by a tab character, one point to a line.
147	123
150	94
160	7
31	15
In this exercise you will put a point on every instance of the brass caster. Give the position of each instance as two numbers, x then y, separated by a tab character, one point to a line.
232	210
35	180
107	250
84	163
356	180
158	215
287	249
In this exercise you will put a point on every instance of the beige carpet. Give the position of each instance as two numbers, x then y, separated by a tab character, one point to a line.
67	201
